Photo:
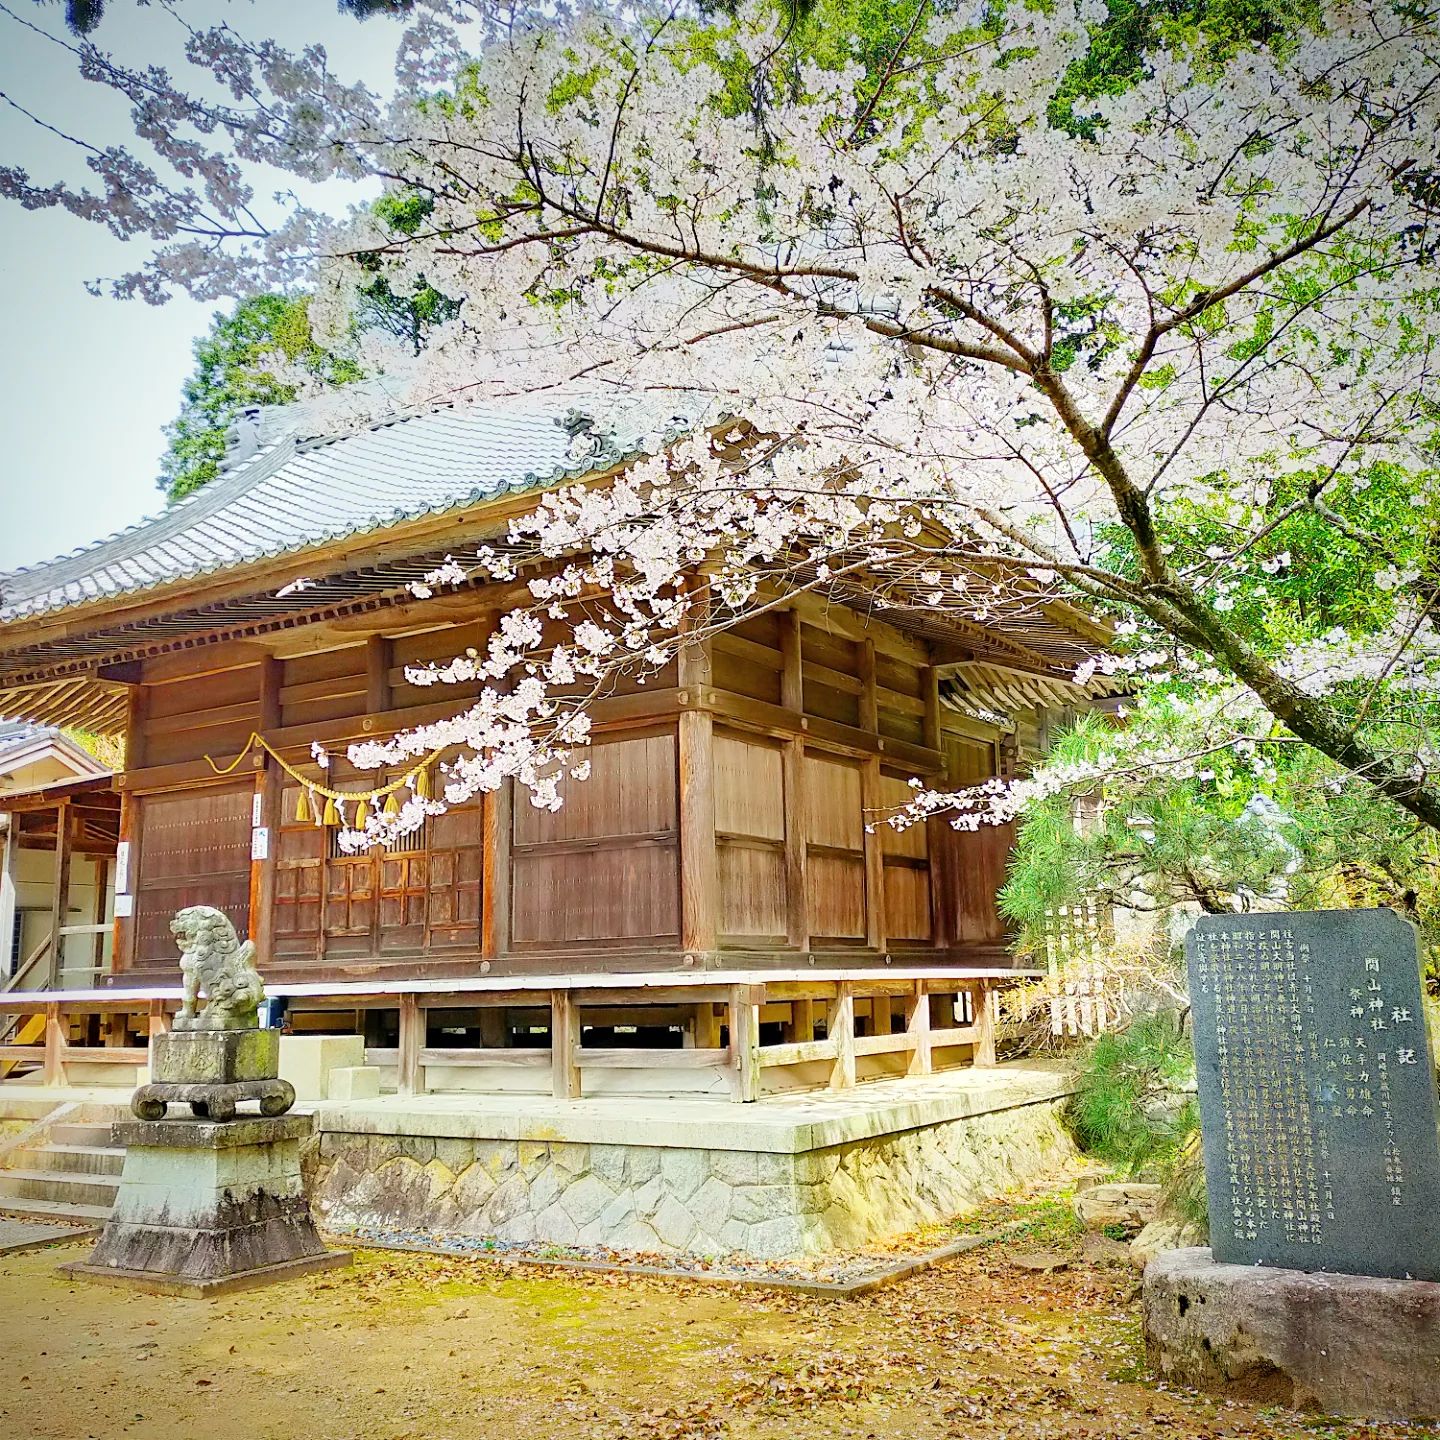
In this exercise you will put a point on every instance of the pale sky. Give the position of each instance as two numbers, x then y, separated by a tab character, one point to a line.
86	384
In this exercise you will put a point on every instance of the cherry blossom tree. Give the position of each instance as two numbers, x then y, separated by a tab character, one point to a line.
901	333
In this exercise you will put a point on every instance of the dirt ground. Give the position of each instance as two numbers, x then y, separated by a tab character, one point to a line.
417	1346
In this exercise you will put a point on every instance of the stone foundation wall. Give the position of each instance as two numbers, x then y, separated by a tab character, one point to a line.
674	1200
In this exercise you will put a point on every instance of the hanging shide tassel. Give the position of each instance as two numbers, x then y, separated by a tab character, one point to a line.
362	813
304	810
391	807
332	813
420	783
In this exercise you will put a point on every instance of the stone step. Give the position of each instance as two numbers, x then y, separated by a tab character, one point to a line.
72	1159
54	1209
81	1132
57	1185
19	1106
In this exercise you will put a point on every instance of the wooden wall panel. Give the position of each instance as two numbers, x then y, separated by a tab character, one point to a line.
835	886
179	697
753	896
894	726
894	795
750	829
969	868
328	686
833	812
194	850
732	671
440	646
604	867
625	892
749	789
832	668
967	759
213	715
907	902
892	673
630	791
759	629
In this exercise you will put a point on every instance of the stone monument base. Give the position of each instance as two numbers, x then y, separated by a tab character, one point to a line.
1350	1345
206	1207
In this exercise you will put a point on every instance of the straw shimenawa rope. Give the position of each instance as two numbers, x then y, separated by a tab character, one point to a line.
416	779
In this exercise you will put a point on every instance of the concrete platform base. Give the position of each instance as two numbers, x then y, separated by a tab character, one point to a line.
152	1284
1349	1345
784	1177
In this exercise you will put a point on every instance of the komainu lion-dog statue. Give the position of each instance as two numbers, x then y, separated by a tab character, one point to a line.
214	962
216	1056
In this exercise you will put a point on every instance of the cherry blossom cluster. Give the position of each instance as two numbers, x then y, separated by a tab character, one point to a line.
927	346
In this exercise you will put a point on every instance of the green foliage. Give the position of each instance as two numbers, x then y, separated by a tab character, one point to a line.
407	317
230	373
1162	835
1045	1222
1212	29
1118	1112
231	361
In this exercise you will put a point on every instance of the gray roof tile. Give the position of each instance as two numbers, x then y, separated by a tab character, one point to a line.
296	493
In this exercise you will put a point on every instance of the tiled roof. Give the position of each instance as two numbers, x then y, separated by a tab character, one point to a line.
296	493
15	733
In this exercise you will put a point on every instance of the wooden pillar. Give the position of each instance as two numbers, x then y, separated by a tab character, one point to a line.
157	1022
745	1002
881	1018
984	999
930	694
797	900
410	1077
122	952
869	694
378	651
494	1034
874	855
699	859
792	697
495	821
840	1027
265	815
60	901
917	1026
97	915
704	1031
53	1072
800	1027
123	946
792	678
564	1045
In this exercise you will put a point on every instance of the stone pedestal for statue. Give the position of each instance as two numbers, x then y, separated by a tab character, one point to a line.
214	1071
215	1202
206	1207
1352	1345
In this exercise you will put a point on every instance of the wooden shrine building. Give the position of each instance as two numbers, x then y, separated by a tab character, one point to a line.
721	840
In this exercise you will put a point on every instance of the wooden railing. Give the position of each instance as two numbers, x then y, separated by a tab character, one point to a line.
897	1012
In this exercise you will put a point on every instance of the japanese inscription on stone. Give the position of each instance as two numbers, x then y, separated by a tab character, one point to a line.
1317	1090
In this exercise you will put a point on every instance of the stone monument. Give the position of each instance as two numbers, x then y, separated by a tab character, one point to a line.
1321	1135
214	1201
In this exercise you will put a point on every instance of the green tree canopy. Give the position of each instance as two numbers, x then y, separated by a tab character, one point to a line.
230	373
